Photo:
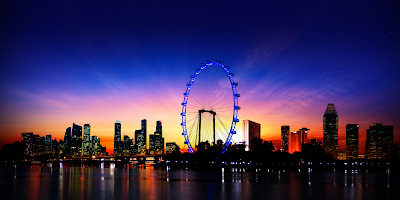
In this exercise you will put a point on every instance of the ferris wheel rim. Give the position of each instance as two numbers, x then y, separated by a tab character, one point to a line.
235	102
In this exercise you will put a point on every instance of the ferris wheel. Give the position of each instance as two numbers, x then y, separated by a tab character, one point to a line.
210	107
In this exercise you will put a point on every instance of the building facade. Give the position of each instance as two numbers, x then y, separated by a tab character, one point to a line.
171	147
117	138
251	130
86	140
352	141
285	131
48	146
76	140
379	143
156	141
330	127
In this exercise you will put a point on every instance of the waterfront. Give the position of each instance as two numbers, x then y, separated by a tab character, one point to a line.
118	183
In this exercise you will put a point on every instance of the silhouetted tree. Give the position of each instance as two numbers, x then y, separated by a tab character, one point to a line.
267	147
395	152
12	152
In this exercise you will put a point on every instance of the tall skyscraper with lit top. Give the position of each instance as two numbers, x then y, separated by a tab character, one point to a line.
331	126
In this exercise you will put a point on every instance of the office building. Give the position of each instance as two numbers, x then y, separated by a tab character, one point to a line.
127	145
117	138
36	145
171	147
67	140
156	141
285	131
86	140
76	140
48	146
297	139
352	141
330	127
251	130
140	138
379	143
42	145
27	141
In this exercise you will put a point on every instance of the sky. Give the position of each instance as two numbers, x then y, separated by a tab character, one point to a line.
98	62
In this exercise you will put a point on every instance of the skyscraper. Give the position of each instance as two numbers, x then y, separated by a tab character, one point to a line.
156	141
127	145
379	143
330	126
304	132
143	146
352	141
76	140
36	145
297	140
48	146
67	141
117	138
27	141
43	145
285	130
86	140
158	128
251	130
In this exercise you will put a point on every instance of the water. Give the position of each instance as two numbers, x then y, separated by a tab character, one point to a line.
43	183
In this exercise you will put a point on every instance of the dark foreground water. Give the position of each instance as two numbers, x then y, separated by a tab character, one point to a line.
41	183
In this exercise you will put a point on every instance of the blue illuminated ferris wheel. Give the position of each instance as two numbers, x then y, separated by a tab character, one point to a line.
209	116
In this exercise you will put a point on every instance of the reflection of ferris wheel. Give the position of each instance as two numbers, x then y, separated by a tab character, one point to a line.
210	114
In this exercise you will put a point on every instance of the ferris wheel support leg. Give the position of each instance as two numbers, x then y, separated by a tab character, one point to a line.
199	127
214	127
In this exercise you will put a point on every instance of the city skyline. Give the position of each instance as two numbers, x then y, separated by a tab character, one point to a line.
119	62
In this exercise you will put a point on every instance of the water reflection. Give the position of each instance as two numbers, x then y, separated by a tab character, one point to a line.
118	183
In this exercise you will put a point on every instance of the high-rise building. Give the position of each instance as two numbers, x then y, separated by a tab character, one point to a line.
297	139
285	131
331	126
304	132
379	143
171	147
251	130
48	146
127	145
57	147
352	141
67	140
156	141
27	141
140	138
42	145
158	128
86	140
117	138
36	145
76	140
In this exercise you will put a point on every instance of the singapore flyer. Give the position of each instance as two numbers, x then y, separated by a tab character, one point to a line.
210	108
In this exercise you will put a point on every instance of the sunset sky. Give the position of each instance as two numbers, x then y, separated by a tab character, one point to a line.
98	62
